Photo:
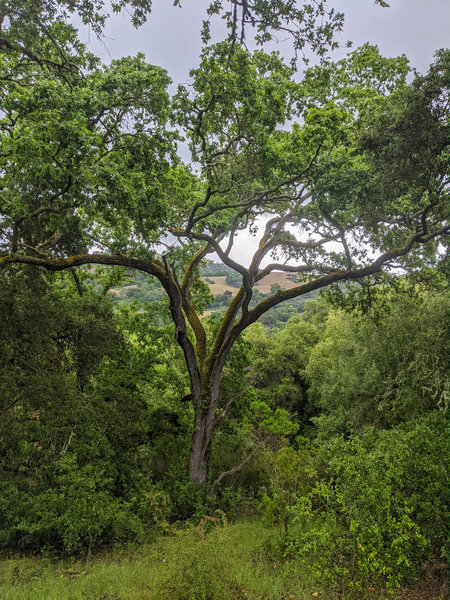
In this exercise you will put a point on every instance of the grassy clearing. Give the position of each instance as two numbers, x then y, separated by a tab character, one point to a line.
231	562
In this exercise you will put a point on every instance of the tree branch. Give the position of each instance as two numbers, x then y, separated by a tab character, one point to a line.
240	466
339	275
234	397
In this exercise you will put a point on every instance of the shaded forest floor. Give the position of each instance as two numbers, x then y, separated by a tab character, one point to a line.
433	586
235	562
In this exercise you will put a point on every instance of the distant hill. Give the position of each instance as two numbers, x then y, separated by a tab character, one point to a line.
218	285
223	282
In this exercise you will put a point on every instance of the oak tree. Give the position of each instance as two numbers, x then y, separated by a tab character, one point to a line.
341	175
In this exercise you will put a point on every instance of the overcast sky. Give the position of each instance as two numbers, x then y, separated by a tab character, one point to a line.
171	39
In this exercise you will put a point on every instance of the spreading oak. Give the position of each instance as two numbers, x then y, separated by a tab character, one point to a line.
341	175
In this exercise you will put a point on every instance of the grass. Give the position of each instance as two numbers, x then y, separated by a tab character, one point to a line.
231	562
210	562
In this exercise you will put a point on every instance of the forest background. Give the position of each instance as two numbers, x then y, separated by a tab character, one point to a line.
135	403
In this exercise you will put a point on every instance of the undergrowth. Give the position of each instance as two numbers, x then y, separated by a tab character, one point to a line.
210	561
213	561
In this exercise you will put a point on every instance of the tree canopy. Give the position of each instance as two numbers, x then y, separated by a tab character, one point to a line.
28	27
348	168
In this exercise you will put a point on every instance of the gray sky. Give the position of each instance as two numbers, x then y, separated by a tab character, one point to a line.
171	39
416	28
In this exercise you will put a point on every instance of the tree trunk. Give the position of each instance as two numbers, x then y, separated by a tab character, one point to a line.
205	420
197	461
204	425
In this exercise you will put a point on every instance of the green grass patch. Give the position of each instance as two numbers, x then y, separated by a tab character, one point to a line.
211	562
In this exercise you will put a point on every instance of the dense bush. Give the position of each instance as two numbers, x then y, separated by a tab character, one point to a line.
380	370
376	511
201	571
78	438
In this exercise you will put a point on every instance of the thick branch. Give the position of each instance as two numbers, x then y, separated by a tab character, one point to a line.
77	282
285	269
197	328
191	314
246	281
340	275
222	255
225	327
60	264
190	269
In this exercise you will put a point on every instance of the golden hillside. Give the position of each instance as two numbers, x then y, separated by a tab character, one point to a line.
220	287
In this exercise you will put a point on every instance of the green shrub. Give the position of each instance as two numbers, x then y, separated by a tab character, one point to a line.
76	515
201	570
377	511
233	278
291	475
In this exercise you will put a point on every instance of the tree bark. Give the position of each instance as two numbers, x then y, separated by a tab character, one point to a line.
204	427
197	462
